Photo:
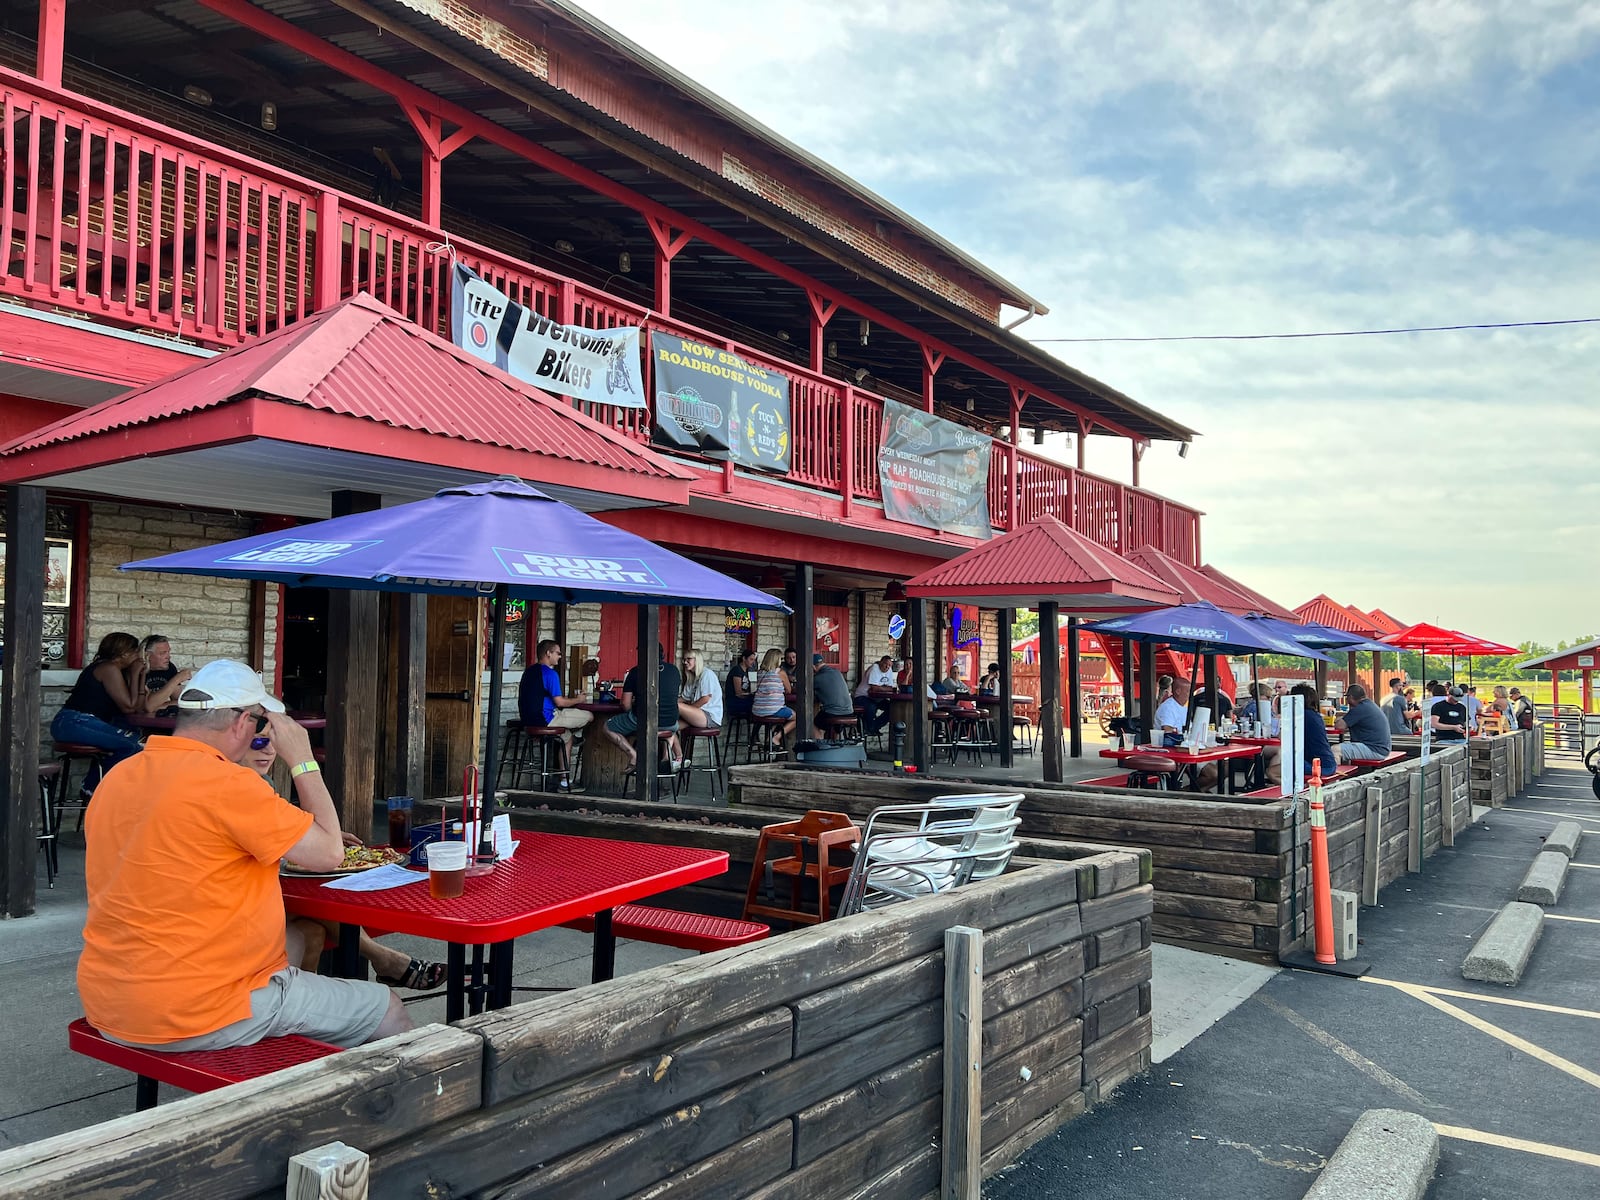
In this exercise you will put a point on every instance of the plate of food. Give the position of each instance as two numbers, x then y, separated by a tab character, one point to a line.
356	859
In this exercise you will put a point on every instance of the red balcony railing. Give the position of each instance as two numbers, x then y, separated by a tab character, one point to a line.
130	222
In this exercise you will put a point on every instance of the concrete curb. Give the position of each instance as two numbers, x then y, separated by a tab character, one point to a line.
1502	953
1565	838
1387	1155
1545	879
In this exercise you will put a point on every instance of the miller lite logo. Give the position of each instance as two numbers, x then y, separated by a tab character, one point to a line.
482	308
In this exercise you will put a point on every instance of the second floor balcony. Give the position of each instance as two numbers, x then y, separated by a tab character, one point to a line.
119	219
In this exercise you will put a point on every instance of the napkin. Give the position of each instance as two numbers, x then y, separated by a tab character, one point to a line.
379	879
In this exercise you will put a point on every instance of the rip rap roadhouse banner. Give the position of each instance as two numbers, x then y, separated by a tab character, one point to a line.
718	405
600	366
934	472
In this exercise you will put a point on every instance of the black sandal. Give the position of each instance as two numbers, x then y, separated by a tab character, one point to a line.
420	976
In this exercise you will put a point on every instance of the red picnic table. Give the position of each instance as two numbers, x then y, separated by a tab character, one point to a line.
552	879
1194	759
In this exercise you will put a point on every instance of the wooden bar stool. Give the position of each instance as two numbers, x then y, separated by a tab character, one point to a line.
840	728
663	765
68	753
807	849
762	727
48	774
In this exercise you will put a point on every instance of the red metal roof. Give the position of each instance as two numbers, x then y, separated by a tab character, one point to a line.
1262	604
1191	583
1386	623
362	359
1044	560
1325	611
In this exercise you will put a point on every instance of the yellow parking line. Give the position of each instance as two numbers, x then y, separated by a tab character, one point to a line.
1582	1074
1565	1153
1506	1001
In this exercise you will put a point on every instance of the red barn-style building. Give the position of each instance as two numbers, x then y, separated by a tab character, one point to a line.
186	177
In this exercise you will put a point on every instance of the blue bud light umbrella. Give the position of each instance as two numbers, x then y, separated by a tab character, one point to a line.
502	538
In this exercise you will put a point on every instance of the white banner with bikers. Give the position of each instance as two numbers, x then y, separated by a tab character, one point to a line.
601	366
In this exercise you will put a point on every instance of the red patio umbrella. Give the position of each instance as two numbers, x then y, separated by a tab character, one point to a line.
1434	639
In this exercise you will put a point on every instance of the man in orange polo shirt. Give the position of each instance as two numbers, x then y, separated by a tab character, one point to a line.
184	946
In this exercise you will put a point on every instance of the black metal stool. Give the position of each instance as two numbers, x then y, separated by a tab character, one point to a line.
66	754
712	734
762	727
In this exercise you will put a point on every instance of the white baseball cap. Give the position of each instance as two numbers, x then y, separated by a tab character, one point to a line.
224	683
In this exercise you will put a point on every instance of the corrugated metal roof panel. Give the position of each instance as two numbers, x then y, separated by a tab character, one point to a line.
1193	585
1386	623
1264	604
364	360
1039	559
1329	612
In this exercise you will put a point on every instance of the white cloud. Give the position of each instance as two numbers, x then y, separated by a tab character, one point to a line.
1170	168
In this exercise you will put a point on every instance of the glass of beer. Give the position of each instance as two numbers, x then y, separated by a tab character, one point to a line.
400	822
447	869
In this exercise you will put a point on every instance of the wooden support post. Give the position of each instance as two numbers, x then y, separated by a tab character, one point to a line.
932	360
1147	693
1208	671
961	1148
1350	670
409	627
1372	859
1002	719
559	633
1321	670
327	287
1074	691
352	705
668	246
1083	437
822	310
331	1172
647	704
19	697
805	643
1050	690
1447	801
917	619
1416	788
1138	455
52	42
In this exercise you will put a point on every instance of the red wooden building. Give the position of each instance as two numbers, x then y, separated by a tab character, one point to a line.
183	177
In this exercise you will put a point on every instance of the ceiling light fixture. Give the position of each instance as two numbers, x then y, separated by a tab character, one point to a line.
861	374
772	580
564	247
833	349
269	115
895	593
972	405
195	94
624	262
1183	449
1038	436
783	335
866	328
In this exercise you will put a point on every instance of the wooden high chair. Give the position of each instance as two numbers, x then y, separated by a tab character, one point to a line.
815	844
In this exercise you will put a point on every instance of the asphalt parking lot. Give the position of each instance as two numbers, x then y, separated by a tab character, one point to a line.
1509	1076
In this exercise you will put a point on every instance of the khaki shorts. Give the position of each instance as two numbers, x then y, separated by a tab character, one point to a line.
346	1012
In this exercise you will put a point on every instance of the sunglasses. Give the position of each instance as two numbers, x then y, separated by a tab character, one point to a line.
260	719
260	743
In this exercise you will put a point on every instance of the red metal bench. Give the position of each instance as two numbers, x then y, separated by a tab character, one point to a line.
1345	771
670	927
194	1070
1393	756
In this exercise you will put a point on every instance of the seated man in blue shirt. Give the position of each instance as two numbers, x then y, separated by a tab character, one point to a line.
1367	726
541	704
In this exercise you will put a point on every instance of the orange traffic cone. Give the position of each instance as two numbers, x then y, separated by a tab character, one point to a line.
1321	893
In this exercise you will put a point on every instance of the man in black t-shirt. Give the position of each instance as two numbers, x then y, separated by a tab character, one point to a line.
622	727
1449	718
739	691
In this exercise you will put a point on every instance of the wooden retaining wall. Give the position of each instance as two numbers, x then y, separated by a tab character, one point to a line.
1228	875
809	1065
1222	871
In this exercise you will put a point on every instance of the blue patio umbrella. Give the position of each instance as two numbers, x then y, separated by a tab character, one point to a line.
502	539
1319	637
1202	628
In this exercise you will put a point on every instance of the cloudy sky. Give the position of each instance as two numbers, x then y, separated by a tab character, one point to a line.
1223	168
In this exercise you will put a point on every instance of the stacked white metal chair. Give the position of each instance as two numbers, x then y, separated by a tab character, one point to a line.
911	850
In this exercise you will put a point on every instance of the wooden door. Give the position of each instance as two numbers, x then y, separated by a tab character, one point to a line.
453	687
619	638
